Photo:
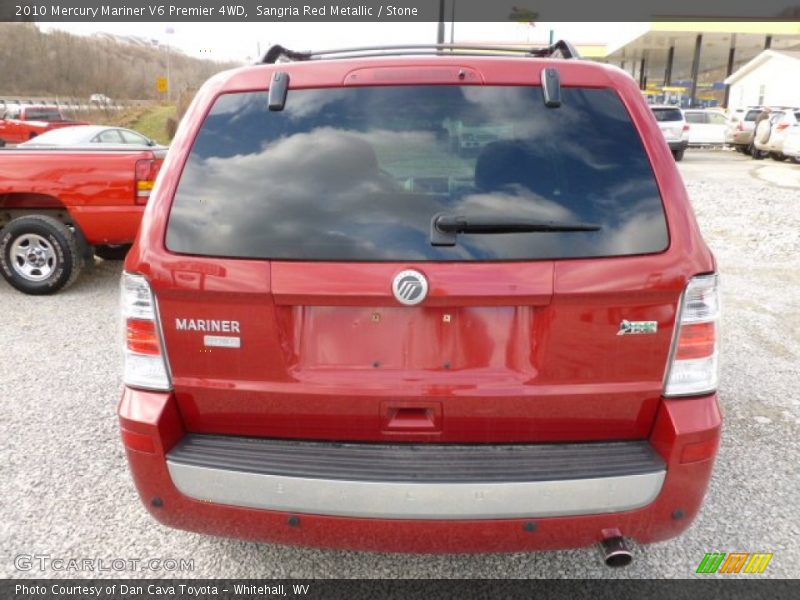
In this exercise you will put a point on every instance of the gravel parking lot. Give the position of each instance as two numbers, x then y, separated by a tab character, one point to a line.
67	492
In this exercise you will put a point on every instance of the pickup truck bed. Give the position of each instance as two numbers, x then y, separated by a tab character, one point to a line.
91	198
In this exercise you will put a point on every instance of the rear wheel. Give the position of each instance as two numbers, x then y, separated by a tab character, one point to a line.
778	156
756	153
39	255
2	143
118	252
678	154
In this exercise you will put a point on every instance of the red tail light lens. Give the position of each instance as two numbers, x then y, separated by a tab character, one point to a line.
686	127
694	365
145	361
782	126
142	337
697	340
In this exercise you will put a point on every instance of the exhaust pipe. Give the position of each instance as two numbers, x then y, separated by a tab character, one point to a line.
615	551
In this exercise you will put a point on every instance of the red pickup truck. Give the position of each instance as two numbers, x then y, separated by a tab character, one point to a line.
60	207
22	123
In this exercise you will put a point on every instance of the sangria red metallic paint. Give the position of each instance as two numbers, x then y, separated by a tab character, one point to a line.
514	352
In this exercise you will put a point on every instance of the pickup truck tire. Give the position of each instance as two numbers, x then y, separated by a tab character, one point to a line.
39	255
2	143
112	252
678	154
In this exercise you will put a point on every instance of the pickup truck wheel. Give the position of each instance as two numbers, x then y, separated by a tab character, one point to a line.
39	255
112	252
2	143
678	154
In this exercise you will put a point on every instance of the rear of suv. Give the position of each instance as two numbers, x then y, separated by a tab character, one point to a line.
673	125
345	330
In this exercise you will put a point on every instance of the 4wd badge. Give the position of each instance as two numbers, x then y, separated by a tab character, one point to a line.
636	327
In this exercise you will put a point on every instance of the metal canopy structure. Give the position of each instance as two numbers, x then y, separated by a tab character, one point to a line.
692	59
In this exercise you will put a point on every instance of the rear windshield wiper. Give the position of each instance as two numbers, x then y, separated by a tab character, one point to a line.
445	227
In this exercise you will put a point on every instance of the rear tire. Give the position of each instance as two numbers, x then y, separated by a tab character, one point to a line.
2	143
39	255
118	252
678	154
778	156
756	153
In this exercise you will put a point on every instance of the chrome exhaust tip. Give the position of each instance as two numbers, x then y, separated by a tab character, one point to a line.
616	552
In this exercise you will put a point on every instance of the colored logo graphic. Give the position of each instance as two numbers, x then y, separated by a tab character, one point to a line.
735	562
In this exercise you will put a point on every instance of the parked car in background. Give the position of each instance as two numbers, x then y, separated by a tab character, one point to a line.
364	338
791	143
674	127
58	206
770	133
740	127
706	126
20	123
99	100
94	136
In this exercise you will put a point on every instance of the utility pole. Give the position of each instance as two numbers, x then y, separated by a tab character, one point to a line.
440	30
169	31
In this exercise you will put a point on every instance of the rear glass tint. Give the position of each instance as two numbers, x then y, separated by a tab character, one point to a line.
695	117
667	114
42	114
357	174
752	114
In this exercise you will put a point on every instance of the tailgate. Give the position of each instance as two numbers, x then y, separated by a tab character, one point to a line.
315	351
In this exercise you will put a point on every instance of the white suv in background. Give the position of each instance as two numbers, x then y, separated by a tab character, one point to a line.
674	127
771	133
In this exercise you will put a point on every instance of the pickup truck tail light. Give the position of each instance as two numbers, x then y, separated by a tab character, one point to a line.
145	177
145	361
694	363
782	126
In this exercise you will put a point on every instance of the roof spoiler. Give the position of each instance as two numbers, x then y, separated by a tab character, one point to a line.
560	49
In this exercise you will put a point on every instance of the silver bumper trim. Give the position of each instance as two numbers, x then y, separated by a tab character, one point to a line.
400	500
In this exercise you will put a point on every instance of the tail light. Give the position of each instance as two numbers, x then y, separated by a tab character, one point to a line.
686	127
782	126
145	361
145	177
694	365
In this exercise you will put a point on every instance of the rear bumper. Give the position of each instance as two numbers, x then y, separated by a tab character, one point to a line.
678	145
647	503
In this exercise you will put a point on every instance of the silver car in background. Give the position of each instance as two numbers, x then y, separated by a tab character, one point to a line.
674	127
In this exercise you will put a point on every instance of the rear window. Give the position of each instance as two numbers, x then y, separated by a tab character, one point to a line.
693	118
357	174
667	114
42	114
752	114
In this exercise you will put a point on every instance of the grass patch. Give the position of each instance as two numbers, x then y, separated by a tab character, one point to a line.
150	121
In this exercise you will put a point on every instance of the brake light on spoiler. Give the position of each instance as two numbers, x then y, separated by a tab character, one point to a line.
694	364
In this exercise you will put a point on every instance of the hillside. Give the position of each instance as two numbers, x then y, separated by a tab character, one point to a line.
66	65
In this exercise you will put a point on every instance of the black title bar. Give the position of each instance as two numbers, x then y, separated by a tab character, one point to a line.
397	10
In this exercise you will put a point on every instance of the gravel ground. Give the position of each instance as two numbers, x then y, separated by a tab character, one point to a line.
67	491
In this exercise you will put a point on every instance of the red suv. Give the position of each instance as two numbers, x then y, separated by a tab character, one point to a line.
425	300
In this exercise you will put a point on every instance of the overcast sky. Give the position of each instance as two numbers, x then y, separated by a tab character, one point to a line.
241	41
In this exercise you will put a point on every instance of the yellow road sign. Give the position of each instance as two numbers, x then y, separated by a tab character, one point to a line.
162	85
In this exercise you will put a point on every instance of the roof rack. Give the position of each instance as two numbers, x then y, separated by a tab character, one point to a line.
560	49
